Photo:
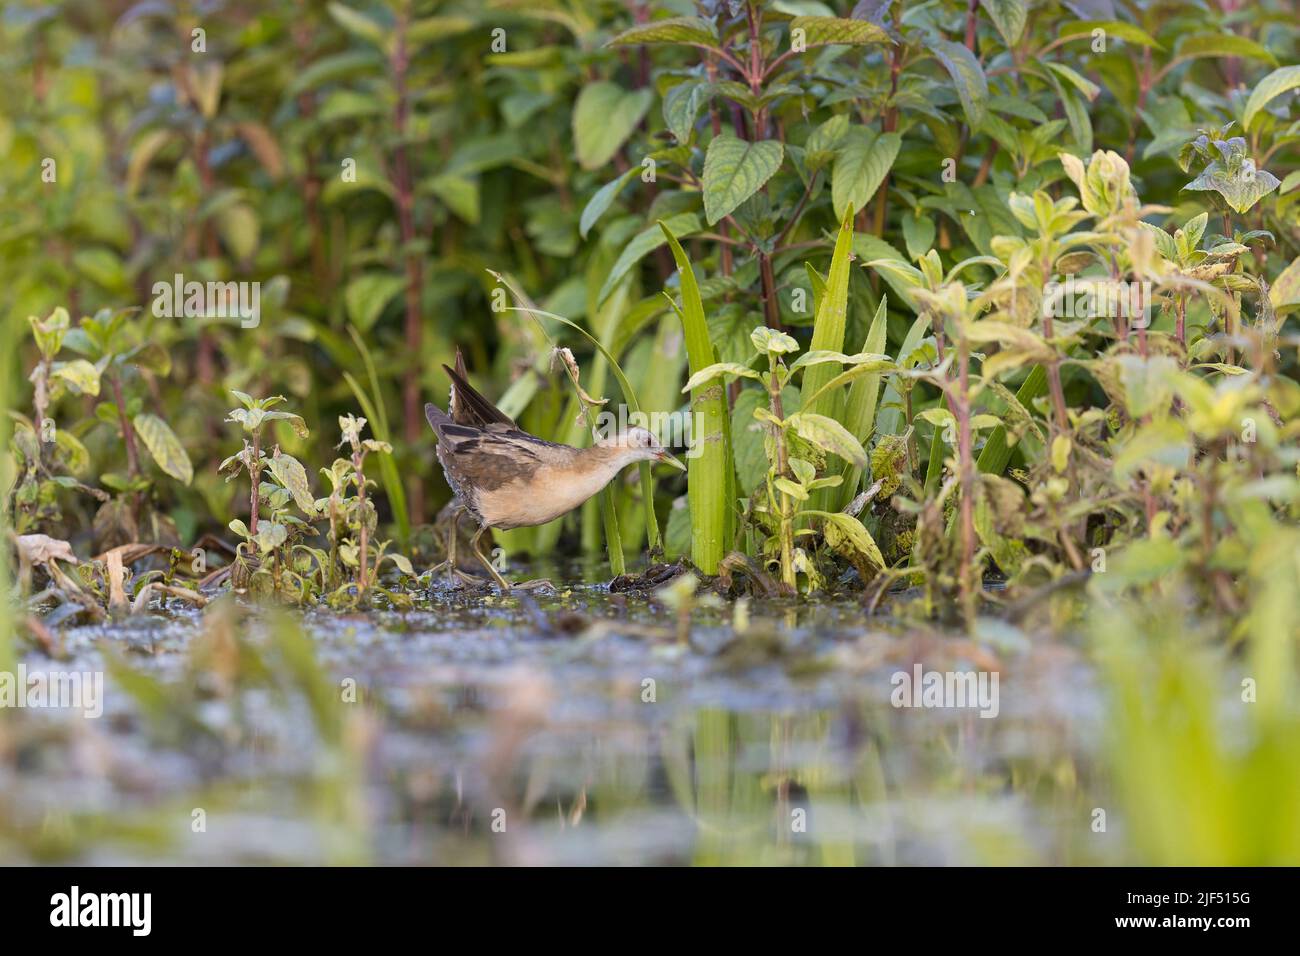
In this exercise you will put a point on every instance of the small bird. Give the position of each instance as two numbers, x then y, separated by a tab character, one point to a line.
506	478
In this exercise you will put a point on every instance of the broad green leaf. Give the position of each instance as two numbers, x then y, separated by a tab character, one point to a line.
1111	28
603	118
1008	16
967	75
81	376
240	229
711	484
642	244
1273	85
806	32
1221	44
358	24
719	368
163	445
864	160
290	473
368	294
1285	290
843	531
1241	190
830	436
602	200
682	104
734	170
692	31
460	194
295	421
1077	80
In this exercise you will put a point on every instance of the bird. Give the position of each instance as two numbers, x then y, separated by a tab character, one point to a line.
506	478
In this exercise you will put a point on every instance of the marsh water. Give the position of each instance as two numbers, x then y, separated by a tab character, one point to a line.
580	727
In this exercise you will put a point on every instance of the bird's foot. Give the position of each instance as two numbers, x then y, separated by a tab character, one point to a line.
537	585
454	576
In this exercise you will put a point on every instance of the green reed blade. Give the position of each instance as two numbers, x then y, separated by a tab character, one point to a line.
710	489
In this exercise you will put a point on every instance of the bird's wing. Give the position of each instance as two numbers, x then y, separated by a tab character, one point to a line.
466	405
487	458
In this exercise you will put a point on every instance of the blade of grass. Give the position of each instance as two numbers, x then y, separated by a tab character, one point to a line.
860	407
710	482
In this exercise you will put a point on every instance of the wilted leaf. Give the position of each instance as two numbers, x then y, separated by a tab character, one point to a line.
290	473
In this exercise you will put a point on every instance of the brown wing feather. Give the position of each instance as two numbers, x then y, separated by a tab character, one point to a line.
467	406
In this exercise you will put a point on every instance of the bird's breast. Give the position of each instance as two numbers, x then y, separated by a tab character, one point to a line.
548	493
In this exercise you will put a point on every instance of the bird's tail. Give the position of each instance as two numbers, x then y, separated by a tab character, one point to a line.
436	416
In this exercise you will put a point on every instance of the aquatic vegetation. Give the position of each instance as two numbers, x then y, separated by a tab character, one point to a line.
972	322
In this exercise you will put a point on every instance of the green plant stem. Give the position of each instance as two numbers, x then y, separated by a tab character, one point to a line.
786	505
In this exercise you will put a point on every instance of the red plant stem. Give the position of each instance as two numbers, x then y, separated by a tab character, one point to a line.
364	534
128	433
404	188
966	478
771	312
888	124
255	475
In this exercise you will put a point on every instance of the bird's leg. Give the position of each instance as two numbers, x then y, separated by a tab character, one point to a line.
502	583
449	565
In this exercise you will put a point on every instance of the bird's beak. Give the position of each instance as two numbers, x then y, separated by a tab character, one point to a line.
669	459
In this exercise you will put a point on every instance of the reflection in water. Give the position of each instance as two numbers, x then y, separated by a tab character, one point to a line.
572	729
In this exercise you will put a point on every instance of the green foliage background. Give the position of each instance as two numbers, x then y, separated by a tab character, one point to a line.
368	164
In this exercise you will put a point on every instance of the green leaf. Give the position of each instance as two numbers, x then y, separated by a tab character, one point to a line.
1075	79
830	436
290	473
845	531
828	327
1273	85
240	229
832	31
642	244
734	170
81	376
719	368
691	31
863	400
602	200
710	485
1285	290
967	75
358	24
603	118
1112	28
460	194
864	160
918	234
295	421
1008	16
682	104
1221	44
164	447
1242	189
368	294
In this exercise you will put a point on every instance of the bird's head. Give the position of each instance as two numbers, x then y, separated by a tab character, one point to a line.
640	444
